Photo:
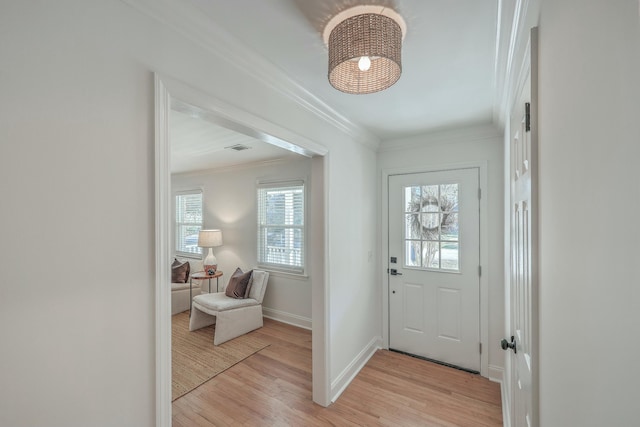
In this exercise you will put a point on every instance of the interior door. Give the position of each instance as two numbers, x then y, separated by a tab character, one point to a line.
434	249
523	236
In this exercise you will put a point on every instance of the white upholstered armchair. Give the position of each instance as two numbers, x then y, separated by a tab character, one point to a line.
232	317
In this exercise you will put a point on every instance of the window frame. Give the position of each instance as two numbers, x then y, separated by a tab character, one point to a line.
263	186
198	254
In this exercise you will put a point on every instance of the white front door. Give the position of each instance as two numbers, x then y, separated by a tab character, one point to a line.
522	344
434	258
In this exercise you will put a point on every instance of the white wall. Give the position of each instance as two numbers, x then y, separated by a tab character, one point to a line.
76	253
444	149
589	210
76	122
229	198
354	301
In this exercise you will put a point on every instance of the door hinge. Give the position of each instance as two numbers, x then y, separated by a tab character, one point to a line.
527	115
479	193
480	345
479	270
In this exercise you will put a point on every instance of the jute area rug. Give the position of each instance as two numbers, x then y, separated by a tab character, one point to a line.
194	358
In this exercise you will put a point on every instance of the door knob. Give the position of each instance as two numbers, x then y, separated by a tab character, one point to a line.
394	272
506	344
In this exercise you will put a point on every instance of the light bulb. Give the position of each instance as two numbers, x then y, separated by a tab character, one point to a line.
364	63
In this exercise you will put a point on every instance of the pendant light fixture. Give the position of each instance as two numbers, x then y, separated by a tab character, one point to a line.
365	44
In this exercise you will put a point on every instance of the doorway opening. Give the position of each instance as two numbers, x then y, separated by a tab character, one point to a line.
172	95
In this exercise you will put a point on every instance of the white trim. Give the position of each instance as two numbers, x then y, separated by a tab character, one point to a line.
506	405
227	115
524	15
483	167
513	39
288	318
496	59
169	91
528	68
349	373
163	256
496	373
477	133
195	26
319	252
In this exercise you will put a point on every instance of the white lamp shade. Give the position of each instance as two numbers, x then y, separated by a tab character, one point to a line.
209	238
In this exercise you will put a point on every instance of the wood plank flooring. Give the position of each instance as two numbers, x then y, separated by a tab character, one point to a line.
273	388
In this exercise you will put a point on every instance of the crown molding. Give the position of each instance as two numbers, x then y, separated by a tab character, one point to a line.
521	15
198	28
477	133
509	13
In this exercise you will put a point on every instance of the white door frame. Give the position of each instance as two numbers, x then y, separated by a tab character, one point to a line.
528	68
167	89
484	249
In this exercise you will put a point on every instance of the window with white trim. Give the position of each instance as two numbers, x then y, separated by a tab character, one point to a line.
281	226
188	214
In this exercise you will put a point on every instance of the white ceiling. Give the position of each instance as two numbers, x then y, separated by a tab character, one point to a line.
448	59
198	144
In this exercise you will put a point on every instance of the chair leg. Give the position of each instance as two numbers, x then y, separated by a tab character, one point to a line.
200	319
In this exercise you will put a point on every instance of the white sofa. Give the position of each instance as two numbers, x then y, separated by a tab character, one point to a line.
180	291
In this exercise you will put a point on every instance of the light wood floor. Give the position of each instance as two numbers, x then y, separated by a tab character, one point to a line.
273	388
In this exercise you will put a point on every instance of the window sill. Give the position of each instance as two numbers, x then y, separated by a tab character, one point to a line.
188	256
283	273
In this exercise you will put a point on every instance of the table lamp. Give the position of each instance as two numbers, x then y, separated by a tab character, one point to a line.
210	239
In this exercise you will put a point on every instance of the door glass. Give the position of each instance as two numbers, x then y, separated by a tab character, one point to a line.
431	255
431	230
412	255
412	232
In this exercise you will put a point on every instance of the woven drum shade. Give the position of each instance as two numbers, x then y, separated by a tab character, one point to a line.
371	35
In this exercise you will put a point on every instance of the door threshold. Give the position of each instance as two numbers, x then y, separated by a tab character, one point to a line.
449	365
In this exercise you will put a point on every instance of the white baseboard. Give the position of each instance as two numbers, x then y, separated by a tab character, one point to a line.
506	414
284	317
349	373
496	373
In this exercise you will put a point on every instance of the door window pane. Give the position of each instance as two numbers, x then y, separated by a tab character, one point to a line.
432	236
430	223
450	227
412	226
413	253
431	255
412	198
449	256
429	192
